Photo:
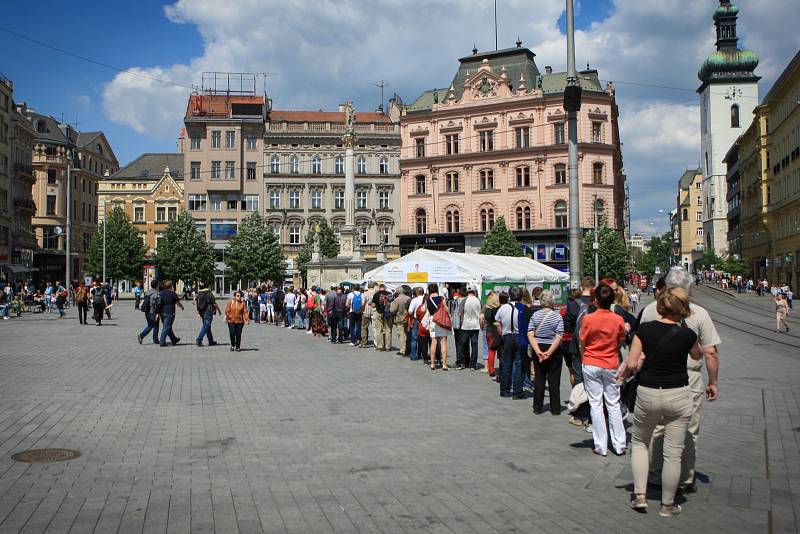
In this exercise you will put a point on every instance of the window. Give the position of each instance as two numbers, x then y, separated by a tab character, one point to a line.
161	213
735	116
197	202
699	232
251	141
685	214
419	143
707	169
294	234
451	144
294	165
362	165
215	165
699	200
486	180
385	234
523	176
421	221
41	126
338	165
51	204
251	202
50	240
523	218
522	137
361	200
561	174
276	231
597	129
274	199
194	143
597	173
230	172
172	213
316	165
558	133
251	170
275	164
560	212
216	202
487	219
194	170
420	184
316	199
698	186
698	216
451	182
230	139
216	139
383	199
383	166
362	232
453	218
338	199
486	140
294	199
138	214
51	177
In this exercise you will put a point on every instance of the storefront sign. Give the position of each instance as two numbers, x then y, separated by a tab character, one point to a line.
560	252
223	231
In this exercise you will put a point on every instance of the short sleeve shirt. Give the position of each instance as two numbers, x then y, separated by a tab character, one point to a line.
505	314
168	300
602	332
699	321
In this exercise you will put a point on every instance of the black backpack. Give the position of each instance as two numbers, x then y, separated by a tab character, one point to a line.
202	302
155	303
144	306
97	297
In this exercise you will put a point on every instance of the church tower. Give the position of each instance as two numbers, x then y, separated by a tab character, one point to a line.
728	94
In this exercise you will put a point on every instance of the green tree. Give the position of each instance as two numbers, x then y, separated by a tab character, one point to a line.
659	255
183	253
125	249
735	266
500	241
304	257
613	254
328	246
254	253
710	260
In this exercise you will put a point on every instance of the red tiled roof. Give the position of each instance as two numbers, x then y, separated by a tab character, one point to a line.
325	116
217	105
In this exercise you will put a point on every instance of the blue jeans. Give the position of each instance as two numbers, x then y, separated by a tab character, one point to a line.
205	330
511	368
577	368
289	316
355	328
414	341
152	324
342	318
300	319
166	330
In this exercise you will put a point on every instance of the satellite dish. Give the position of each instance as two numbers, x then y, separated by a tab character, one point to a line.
57	231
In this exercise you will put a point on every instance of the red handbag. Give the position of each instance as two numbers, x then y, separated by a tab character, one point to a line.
442	317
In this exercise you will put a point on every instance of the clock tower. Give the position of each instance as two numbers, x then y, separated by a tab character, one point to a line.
728	94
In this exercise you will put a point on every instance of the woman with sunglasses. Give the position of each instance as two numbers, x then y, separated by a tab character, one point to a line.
236	317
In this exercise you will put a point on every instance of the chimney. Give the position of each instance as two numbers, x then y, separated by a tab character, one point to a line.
548	69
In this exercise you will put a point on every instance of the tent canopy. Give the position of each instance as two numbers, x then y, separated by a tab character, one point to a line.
423	265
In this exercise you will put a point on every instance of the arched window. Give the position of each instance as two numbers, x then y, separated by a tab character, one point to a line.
275	165
316	165
449	219
523	176
362	165
41	126
294	165
420	184
453	221
685	214
527	213
456	221
561	174
560	212
487	219
519	218
339	165
523	218
597	173
735	116
421	221
383	166
483	220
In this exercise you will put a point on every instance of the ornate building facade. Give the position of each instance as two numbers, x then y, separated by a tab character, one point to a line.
23	238
495	144
304	177
6	168
690	217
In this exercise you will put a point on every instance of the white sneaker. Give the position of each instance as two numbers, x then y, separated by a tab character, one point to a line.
588	428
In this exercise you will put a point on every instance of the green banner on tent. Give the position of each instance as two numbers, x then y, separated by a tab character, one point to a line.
558	289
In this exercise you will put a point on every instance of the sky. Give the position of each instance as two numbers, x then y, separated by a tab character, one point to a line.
319	53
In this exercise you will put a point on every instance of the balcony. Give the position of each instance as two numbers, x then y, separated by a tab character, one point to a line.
24	204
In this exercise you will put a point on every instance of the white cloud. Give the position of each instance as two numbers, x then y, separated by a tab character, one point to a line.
325	51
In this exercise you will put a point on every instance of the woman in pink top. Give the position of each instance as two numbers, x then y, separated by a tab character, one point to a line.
601	334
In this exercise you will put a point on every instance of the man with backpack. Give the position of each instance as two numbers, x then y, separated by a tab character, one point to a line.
99	302
340	316
168	300
355	308
150	305
383	319
206	309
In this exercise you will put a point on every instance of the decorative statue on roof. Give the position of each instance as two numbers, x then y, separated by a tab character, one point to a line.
349	118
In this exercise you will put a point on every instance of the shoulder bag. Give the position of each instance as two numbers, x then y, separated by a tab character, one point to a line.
441	317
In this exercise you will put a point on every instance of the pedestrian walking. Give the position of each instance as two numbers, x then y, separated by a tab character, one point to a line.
109	299
169	300
98	302
206	310
137	295
236	317
82	302
663	395
545	331
781	313
150	304
61	296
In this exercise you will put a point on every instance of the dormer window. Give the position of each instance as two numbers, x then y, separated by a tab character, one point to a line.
41	126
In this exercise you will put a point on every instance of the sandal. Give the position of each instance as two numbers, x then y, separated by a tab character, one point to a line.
433	367
445	368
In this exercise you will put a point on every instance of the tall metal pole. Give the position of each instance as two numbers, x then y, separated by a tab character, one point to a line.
105	225
596	246
572	103
68	238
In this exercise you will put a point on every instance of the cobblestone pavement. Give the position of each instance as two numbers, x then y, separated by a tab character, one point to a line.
296	435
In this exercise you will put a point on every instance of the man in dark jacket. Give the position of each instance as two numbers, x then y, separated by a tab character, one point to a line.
340	316
150	313
206	309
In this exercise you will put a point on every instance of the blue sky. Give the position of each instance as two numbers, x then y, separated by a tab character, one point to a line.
323	52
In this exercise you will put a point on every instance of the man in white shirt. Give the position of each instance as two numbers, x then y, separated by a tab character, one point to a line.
413	306
470	310
507	319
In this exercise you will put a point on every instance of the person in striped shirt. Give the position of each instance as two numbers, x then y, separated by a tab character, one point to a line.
545	330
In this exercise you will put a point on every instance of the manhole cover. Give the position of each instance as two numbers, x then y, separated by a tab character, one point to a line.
44	456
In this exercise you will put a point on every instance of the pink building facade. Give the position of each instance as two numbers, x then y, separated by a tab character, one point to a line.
494	144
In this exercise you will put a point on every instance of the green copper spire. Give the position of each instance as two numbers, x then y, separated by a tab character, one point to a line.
728	63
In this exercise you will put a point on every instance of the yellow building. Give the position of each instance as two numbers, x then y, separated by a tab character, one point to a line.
150	192
690	212
769	153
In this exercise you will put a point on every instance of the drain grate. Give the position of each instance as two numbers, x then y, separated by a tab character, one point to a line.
45	456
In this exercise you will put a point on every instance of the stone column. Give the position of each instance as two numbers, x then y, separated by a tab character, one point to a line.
349	244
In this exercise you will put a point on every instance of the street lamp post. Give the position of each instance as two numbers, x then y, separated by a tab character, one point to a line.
572	104
596	246
105	225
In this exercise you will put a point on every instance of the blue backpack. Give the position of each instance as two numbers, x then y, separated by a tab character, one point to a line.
357	306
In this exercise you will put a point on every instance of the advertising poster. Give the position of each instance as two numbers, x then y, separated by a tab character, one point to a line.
560	253
421	272
541	252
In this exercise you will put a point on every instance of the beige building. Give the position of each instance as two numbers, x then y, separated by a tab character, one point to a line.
150	192
6	171
304	178
89	155
23	237
690	217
